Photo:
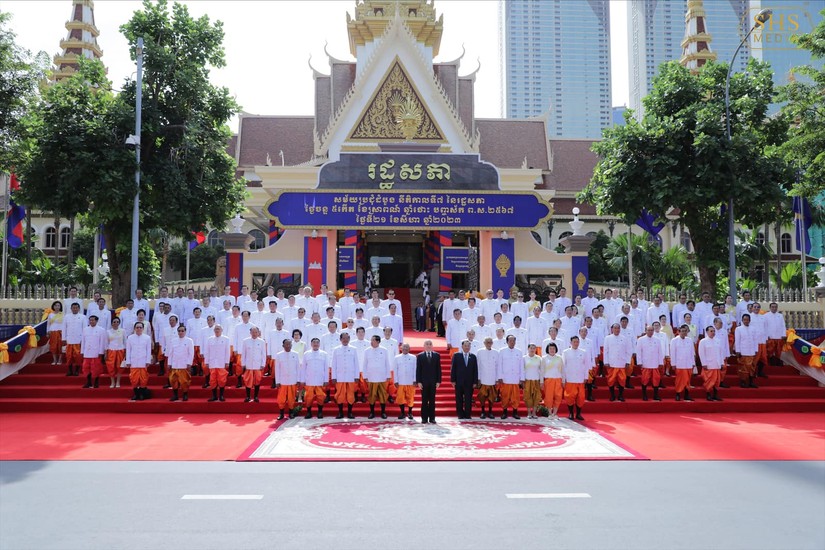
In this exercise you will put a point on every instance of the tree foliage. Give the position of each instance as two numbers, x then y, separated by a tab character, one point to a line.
81	165
20	73
805	109
679	157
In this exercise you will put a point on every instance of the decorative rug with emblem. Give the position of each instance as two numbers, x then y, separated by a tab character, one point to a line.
450	439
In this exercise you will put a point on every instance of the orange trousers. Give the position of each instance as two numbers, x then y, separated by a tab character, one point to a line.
180	379
651	376
487	394
747	367
73	355
553	392
93	366
114	358
405	395
775	346
574	393
56	342
139	377
532	393
616	375
217	378
510	397
683	379
286	397
252	378
710	379
314	394
345	393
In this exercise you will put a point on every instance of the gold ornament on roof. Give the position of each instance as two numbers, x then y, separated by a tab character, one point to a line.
503	265
395	100
409	119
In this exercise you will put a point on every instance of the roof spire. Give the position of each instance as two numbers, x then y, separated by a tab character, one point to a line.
373	16
696	44
81	40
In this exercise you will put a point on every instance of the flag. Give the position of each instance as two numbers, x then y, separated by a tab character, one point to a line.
14	217
802	222
200	238
646	221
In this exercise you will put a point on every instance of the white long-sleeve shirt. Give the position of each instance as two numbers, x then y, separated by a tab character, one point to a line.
93	342
377	365
709	354
552	366
775	324
746	340
488	366
682	353
253	353
649	354
180	352
536	329
314	368
216	352
287	365
138	351
576	367
404	369
511	365
456	332
345	366
73	325
617	351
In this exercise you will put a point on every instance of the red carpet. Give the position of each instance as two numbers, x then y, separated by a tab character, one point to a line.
746	436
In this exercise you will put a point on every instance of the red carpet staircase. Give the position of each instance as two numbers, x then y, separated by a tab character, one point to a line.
42	387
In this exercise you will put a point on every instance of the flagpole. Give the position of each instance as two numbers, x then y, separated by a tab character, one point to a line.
6	202
802	240
188	249
629	257
96	257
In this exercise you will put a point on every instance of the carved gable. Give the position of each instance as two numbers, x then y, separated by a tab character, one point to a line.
395	112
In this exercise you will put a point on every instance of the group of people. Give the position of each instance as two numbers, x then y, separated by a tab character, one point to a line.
318	348
605	337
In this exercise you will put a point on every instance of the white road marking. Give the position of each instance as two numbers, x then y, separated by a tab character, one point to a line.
548	495
221	497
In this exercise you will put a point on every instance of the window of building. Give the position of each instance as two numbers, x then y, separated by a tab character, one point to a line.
213	239
760	238
685	240
260	239
51	238
785	243
64	238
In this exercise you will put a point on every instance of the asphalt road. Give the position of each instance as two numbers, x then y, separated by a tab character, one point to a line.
632	504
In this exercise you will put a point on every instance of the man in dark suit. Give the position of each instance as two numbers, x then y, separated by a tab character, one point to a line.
420	317
463	376
428	376
438	319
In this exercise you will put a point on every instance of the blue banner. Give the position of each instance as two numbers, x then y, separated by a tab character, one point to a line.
343	209
503	264
581	275
346	259
455	259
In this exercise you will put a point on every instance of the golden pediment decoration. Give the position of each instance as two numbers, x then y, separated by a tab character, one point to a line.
396	113
503	265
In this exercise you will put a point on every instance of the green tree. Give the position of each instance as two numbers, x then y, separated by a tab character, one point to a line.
805	109
187	178
679	157
20	73
600	270
202	260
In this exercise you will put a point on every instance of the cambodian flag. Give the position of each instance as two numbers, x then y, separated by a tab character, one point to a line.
14	217
200	238
802	223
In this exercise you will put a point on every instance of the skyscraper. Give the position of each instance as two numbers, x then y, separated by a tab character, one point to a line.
657	27
557	58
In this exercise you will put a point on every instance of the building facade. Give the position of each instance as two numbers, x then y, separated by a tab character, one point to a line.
557	64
